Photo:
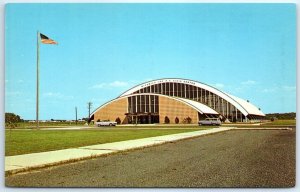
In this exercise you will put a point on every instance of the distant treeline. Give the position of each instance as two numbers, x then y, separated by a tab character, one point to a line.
291	115
13	118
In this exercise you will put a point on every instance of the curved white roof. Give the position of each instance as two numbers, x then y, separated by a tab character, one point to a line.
201	108
198	106
243	106
250	107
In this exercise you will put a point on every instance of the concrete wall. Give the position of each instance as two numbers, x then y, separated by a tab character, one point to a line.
112	111
167	107
172	108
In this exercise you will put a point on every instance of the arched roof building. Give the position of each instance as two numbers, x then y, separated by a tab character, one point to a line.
174	98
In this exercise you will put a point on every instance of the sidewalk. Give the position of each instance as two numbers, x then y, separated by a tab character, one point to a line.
19	163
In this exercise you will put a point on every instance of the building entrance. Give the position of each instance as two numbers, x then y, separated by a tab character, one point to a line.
142	118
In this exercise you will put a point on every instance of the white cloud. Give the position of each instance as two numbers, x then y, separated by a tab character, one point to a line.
20	81
270	90
281	88
57	95
219	85
118	84
110	85
249	82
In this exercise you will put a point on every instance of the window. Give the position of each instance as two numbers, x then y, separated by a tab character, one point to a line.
182	90
156	104
134	110
172	89
187	91
158	88
176	89
152	89
195	93
147	103
167	88
139	103
147	90
191	91
142	103
129	105
199	94
152	103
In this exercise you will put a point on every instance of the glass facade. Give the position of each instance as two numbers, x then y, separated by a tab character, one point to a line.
187	91
143	104
143	108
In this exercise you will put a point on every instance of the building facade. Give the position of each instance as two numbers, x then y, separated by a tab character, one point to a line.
176	101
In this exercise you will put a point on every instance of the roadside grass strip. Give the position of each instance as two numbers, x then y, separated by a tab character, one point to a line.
20	163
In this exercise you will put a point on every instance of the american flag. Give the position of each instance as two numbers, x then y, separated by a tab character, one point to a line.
47	40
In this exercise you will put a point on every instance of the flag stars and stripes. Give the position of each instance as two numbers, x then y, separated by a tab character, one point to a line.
47	40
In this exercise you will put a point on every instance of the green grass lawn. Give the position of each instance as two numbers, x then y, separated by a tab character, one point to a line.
282	122
19	142
22	125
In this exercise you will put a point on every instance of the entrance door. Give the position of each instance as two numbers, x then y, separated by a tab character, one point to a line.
148	119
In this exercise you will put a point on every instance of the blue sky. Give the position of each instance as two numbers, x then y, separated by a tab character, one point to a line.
247	50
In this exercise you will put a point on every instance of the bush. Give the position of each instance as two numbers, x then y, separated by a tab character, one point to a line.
176	120
167	120
118	120
187	120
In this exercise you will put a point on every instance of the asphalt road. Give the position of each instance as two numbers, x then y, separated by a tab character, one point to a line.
245	158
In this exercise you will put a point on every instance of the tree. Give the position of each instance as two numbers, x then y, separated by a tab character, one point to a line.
85	119
12	119
275	116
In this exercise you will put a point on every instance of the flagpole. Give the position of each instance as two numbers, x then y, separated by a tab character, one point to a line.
37	80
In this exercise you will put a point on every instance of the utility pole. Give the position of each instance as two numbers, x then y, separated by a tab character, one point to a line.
89	107
76	114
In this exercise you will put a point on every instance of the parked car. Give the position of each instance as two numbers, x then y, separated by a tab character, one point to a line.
210	121
106	123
